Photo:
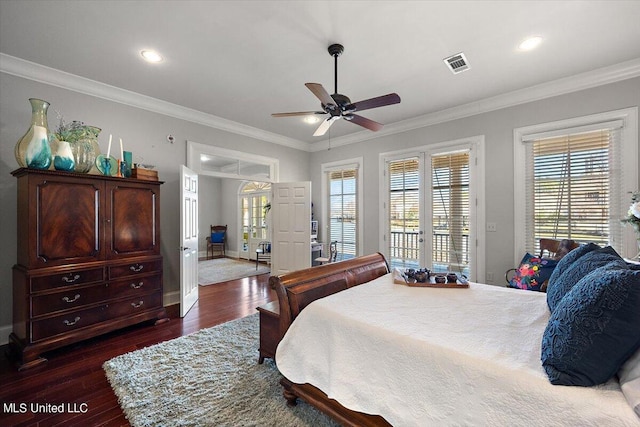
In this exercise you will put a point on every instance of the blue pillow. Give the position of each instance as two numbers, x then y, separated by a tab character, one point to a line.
579	262
217	237
595	328
532	273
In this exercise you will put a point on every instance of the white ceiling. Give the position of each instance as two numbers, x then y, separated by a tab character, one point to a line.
243	60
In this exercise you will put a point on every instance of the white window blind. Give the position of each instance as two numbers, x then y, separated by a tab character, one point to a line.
404	212
343	211
450	211
572	185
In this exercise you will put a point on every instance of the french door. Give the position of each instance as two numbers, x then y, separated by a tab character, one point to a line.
254	197
431	209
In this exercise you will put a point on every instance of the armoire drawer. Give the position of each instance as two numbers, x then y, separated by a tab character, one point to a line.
77	277
134	305
67	322
117	271
135	286
71	298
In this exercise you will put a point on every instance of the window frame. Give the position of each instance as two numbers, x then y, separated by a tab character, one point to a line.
628	179
323	228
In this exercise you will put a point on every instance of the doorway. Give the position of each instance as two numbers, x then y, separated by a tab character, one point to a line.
433	207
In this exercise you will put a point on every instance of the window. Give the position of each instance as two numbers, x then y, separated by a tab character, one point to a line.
572	181
341	189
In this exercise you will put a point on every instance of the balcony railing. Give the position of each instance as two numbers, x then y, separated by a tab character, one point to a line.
405	251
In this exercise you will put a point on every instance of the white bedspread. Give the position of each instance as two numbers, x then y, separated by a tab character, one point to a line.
432	357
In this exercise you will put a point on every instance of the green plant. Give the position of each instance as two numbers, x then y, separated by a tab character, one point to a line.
74	131
633	216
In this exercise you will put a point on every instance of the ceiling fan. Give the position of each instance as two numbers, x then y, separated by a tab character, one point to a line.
339	106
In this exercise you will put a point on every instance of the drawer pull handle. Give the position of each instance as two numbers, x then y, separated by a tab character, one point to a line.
67	299
71	323
138	286
136	268
68	279
138	305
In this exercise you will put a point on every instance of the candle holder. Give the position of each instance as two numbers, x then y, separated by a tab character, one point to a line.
107	165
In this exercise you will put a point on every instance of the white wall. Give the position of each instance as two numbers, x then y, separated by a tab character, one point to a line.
144	133
497	127
210	199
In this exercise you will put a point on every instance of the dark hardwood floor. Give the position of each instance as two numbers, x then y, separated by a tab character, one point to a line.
73	375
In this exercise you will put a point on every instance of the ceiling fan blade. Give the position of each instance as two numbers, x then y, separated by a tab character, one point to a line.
325	125
379	101
321	93
364	122
299	113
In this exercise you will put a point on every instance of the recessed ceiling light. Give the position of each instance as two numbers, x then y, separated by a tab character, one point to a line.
311	119
151	55
530	43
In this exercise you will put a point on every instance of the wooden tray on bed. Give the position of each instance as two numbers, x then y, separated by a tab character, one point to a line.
400	279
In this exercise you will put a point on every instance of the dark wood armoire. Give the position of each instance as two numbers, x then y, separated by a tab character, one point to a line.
88	259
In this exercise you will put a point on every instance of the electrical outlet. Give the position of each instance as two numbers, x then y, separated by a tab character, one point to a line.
492	226
490	277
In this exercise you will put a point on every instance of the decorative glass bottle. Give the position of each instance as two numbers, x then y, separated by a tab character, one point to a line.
86	149
33	149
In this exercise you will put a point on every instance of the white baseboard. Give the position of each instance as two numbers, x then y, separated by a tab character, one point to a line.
171	298
5	331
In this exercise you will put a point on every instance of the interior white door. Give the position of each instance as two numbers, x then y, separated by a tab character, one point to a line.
290	227
189	239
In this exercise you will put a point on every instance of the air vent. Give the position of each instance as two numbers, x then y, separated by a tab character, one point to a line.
457	63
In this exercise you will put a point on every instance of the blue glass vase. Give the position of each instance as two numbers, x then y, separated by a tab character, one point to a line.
63	157
33	149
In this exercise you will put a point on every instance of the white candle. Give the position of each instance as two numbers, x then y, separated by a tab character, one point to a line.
109	149
121	152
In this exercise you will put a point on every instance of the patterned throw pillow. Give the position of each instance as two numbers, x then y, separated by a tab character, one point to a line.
533	273
574	267
595	328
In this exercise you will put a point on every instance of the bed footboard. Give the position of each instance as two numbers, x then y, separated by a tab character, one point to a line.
331	407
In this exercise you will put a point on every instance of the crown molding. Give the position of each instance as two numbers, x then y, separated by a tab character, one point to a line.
611	74
51	76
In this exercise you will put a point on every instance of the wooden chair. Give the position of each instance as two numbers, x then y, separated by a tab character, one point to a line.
263	252
333	254
556	249
217	239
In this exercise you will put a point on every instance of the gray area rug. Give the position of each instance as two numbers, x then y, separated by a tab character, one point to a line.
209	378
222	269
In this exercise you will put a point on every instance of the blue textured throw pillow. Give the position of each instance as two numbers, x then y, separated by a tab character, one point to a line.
217	237
575	265
595	328
532	273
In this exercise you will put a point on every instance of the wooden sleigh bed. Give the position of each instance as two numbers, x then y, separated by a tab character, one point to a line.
483	386
298	289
